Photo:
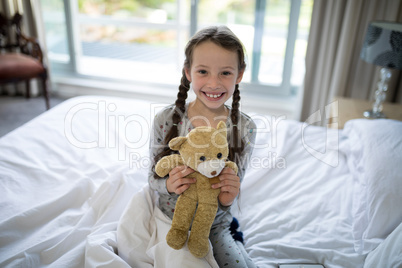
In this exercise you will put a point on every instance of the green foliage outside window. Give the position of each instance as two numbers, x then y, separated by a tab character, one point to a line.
110	7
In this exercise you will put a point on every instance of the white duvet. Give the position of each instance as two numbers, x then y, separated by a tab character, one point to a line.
141	237
74	193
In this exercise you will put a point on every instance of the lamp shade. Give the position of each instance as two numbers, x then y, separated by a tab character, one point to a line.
383	44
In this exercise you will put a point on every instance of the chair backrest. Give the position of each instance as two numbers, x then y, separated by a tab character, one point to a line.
10	33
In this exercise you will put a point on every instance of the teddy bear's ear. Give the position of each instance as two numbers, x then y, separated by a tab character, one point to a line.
222	128
176	143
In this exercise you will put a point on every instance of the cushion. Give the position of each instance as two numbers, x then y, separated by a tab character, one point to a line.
19	66
374	155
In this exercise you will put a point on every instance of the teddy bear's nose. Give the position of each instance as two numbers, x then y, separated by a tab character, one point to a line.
213	173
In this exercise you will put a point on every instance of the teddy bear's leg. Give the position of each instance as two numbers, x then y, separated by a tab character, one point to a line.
182	217
198	243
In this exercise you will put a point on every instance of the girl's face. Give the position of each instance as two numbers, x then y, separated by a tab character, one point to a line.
213	74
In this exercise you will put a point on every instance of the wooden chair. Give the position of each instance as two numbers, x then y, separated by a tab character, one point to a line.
21	57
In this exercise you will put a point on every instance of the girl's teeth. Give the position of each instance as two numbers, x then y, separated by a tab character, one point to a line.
213	96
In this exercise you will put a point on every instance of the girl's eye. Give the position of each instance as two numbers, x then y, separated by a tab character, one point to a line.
226	73
202	158
202	71
219	155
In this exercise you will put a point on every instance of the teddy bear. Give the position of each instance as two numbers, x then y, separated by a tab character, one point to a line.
204	149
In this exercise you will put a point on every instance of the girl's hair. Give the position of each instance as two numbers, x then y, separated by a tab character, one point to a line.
225	38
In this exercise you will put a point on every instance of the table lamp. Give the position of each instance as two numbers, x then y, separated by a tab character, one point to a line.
383	47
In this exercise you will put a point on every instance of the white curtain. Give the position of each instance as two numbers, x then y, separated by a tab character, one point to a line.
333	64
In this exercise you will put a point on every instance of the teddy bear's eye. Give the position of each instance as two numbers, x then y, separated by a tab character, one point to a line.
219	155
202	158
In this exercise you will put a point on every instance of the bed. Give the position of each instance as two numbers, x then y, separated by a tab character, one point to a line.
73	187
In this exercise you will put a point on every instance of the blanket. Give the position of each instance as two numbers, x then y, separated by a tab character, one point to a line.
141	237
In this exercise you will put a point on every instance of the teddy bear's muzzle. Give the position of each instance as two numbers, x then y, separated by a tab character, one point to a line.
211	168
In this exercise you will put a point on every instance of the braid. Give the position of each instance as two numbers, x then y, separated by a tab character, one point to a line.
180	107
176	117
236	144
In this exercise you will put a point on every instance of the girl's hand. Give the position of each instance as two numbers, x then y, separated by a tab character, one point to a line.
230	186
176	183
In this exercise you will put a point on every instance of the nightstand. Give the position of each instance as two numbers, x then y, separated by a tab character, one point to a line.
348	109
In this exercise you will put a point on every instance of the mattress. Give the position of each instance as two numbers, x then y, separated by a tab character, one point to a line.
72	178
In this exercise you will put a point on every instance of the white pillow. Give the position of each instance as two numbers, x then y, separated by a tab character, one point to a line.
374	154
388	253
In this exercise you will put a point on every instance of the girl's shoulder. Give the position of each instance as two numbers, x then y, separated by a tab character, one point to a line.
166	110
163	120
165	113
245	121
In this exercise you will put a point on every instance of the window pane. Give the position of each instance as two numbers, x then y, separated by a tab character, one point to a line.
135	40
226	12
274	41
129	53
238	16
56	31
127	35
301	42
152	10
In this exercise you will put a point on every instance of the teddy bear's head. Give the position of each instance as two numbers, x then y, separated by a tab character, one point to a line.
204	149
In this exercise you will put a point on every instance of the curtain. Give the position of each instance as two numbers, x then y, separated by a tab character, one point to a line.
333	64
32	26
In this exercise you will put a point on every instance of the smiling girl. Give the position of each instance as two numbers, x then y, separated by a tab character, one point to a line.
213	67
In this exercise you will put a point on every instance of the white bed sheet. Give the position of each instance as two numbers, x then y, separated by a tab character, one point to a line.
58	196
300	213
61	203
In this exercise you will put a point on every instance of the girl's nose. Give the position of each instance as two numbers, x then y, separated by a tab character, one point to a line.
214	82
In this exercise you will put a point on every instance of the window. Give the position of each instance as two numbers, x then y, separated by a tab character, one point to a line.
143	40
56	32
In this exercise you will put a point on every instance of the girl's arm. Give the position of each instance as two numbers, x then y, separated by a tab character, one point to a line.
156	147
230	188
229	181
248	135
175	181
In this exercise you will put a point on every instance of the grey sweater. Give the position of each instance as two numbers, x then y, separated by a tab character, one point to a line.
161	126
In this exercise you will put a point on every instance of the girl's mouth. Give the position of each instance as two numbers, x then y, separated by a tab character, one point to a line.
215	96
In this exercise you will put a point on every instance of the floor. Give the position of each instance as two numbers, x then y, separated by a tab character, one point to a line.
17	110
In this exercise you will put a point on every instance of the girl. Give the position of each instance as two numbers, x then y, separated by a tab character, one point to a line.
214	66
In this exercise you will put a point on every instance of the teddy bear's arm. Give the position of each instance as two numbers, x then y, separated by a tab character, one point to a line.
167	163
231	165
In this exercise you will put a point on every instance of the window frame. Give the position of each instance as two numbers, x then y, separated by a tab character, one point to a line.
73	18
